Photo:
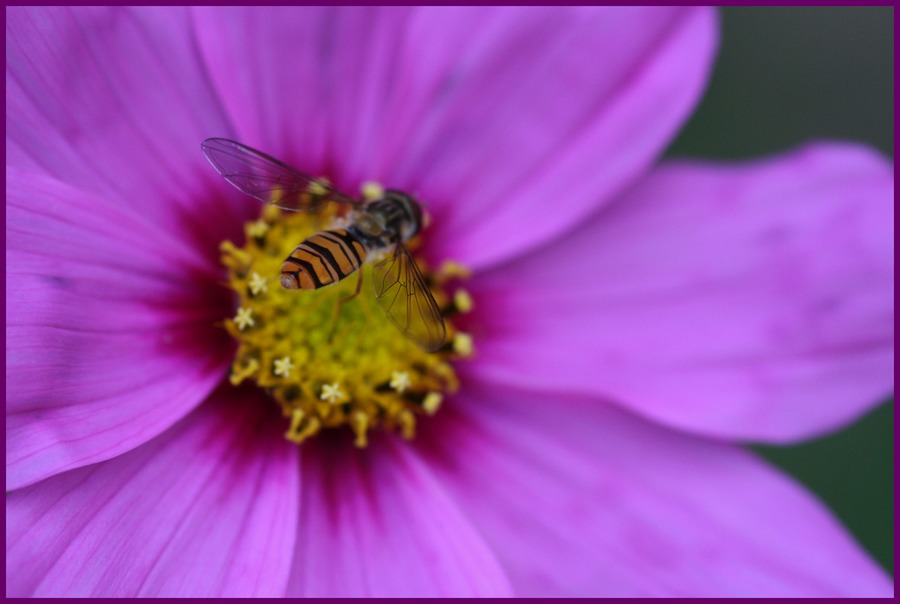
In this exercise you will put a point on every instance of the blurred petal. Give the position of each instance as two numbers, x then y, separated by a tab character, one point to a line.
486	114
579	498
116	102
207	509
751	301
110	329
305	77
375	522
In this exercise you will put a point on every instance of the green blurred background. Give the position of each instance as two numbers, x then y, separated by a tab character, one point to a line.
784	76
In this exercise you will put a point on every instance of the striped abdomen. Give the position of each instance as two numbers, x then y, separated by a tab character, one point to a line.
323	259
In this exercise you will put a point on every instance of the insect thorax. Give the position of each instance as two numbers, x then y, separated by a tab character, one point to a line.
398	213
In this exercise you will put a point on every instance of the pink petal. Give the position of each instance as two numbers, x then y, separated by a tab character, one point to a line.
486	114
540	116
207	509
376	523
116	102
580	498
294	80
111	333
751	301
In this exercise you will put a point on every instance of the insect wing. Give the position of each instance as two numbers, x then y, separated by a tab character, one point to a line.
405	298
267	179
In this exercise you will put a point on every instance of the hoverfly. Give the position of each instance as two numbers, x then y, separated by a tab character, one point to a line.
374	228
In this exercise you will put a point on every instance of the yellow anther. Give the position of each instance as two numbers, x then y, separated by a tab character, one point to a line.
257	228
283	367
296	418
462	344
371	191
360	426
432	402
451	269
462	301
258	284
234	257
244	319
332	393
310	428
317	187
243	373
400	381
270	213
407	424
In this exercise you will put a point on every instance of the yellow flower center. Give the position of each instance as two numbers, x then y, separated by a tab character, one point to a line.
331	359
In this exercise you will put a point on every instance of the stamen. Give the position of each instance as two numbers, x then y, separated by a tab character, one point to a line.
296	417
301	432
432	401
258	228
451	269
462	301
371	191
462	344
234	257
239	375
360	425
317	187
407	424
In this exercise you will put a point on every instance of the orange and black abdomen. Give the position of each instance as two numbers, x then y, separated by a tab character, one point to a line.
322	259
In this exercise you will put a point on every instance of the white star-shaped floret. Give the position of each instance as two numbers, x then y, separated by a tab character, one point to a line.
400	380
257	284
332	393
283	367
244	318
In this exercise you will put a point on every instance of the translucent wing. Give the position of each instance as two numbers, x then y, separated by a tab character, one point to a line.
406	300
267	179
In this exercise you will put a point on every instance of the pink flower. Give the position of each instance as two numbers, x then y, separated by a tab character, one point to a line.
635	322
